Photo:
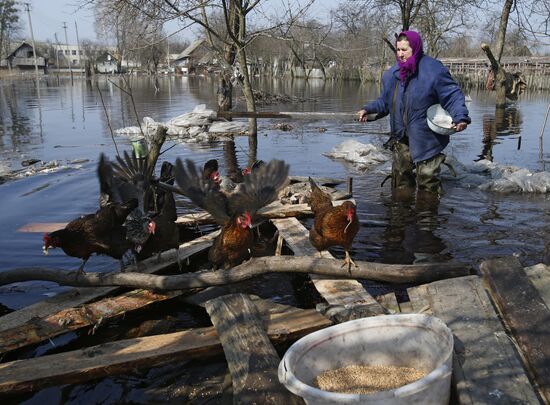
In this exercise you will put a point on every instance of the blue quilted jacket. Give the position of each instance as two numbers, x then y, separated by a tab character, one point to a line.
431	84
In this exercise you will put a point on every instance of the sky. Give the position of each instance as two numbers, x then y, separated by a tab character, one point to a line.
47	17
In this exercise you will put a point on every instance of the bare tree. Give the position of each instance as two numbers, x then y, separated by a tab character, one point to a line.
441	20
9	25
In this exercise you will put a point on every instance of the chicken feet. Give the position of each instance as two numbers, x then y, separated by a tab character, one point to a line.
348	262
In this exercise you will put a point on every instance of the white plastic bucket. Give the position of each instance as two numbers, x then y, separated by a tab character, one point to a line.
405	340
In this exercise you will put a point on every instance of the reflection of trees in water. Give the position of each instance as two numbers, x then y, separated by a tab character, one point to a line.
504	122
15	121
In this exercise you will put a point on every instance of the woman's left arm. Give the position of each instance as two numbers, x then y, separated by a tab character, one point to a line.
452	99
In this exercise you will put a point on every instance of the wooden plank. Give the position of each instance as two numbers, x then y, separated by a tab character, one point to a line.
40	329
40	227
334	291
525	313
389	302
321	181
273	210
486	368
251	357
539	276
79	296
119	357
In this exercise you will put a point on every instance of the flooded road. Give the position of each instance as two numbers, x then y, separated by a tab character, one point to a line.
66	123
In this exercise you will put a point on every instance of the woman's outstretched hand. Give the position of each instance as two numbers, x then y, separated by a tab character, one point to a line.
461	126
361	115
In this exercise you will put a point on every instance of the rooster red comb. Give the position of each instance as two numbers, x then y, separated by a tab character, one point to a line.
49	241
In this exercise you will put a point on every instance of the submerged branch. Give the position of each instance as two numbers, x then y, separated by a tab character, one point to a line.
388	273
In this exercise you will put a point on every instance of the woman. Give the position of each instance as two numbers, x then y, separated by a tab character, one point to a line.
409	88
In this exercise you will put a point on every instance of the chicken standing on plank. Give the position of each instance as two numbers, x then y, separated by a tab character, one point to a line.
101	233
333	225
235	211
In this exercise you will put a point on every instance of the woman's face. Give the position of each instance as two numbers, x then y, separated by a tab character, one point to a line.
404	50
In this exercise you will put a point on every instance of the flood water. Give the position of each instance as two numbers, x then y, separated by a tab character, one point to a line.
65	121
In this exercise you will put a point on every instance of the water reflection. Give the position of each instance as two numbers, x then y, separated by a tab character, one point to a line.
412	220
504	122
15	122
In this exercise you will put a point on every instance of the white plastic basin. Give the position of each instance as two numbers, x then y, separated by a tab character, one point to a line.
405	340
439	120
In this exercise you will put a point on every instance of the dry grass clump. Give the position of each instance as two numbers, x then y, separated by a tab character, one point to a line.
356	379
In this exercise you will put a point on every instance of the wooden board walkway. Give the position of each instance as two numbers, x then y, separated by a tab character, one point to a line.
334	291
524	312
251	358
118	357
486	368
79	296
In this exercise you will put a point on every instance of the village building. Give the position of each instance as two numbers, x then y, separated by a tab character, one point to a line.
196	58
22	59
69	55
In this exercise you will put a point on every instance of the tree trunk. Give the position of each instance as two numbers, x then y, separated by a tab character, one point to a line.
498	71
247	87
500	76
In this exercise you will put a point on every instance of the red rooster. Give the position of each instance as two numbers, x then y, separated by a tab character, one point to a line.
235	211
333	225
101	233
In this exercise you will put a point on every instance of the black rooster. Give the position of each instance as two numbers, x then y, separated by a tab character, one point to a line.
167	233
125	180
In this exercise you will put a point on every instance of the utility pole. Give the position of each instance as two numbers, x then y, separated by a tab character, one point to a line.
68	50
78	46
167	56
27	8
57	52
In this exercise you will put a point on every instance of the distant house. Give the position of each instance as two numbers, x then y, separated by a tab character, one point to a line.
107	63
69	54
22	58
197	55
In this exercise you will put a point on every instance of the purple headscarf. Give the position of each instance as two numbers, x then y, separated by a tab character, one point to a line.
408	68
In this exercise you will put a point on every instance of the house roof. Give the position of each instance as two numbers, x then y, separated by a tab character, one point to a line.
190	49
15	46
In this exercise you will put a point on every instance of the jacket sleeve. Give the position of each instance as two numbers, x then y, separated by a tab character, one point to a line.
451	97
381	104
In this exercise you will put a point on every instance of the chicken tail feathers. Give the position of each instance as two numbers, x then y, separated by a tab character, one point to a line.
319	200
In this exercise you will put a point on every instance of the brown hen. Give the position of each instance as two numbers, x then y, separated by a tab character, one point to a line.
333	225
235	211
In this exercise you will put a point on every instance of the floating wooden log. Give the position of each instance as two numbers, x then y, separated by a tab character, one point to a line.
252	359
79	296
118	357
334	291
486	369
524	312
